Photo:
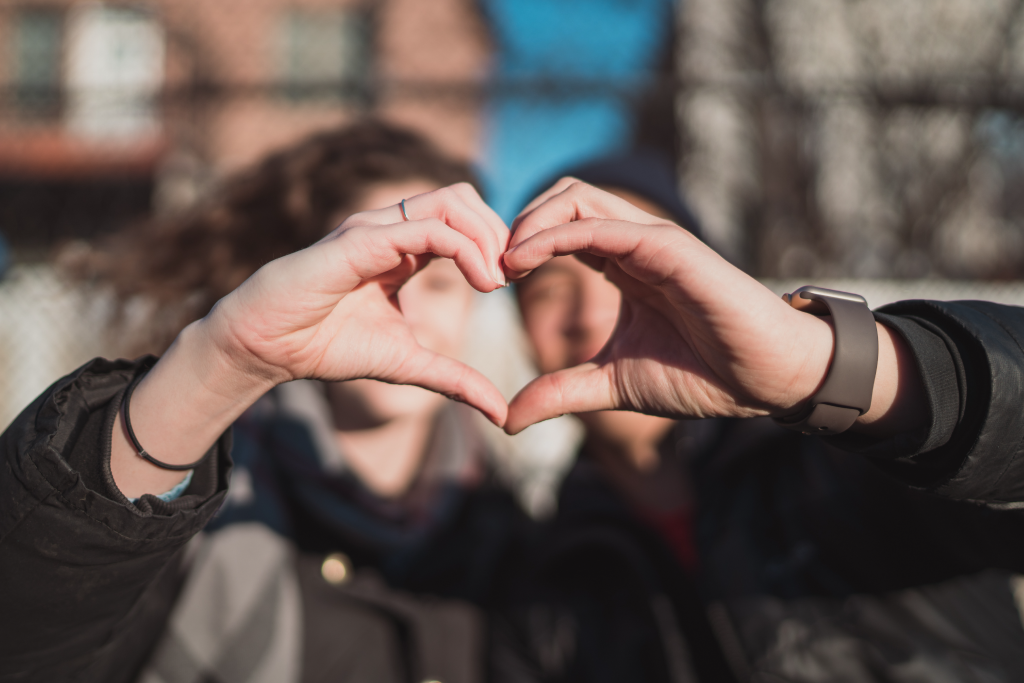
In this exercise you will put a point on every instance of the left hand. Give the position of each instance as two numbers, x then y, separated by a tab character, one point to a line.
696	337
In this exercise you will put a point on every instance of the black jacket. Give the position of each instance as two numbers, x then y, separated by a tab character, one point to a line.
812	557
88	579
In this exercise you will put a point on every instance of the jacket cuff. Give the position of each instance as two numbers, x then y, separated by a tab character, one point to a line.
173	493
202	486
61	455
980	459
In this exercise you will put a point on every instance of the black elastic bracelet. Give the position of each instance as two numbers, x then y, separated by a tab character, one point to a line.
135	442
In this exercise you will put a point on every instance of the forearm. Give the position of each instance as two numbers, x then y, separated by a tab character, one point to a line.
179	410
898	400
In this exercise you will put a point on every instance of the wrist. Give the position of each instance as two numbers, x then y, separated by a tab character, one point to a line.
180	408
846	392
898	403
219	354
897	399
227	351
813	344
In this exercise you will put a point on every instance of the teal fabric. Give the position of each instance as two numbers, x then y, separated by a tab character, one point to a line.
174	493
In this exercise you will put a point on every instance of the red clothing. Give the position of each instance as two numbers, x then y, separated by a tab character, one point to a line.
676	528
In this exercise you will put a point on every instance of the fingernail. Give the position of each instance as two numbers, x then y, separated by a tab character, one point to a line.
499	273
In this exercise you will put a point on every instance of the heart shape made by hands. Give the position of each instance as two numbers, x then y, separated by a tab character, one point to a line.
695	337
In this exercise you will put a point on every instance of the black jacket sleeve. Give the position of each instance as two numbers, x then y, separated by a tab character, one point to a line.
78	561
971	358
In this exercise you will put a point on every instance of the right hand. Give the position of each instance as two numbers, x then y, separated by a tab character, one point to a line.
331	311
328	312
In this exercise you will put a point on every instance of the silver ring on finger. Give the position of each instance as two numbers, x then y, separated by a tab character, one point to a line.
405	214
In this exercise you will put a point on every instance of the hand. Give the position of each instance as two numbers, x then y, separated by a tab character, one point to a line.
327	312
331	311
696	337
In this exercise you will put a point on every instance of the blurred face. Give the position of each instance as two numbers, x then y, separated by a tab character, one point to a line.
570	312
436	303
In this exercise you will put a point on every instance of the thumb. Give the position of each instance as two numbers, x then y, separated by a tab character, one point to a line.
579	389
457	381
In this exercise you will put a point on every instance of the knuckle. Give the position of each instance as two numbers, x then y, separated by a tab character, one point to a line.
449	195
433	224
356	233
574	185
350	223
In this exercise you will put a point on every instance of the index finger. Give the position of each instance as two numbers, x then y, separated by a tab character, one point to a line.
649	253
559	187
449	206
473	199
567	201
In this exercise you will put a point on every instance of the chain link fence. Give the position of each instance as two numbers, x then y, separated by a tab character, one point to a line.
48	329
879	138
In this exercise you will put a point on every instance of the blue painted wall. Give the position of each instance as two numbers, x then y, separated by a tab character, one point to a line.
530	136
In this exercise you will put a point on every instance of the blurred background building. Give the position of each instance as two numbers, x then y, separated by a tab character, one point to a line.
815	138
111	111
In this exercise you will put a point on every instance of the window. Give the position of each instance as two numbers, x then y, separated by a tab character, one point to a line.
325	55
37	50
115	72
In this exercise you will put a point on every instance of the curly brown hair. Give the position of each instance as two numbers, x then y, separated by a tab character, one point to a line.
180	266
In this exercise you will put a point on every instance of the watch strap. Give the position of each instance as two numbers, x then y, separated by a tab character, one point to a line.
845	394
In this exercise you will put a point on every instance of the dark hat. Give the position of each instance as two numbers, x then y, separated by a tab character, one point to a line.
647	172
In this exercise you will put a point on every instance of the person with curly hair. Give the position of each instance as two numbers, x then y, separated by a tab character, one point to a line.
354	500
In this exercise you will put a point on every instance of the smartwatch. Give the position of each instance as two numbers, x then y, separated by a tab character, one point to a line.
846	393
